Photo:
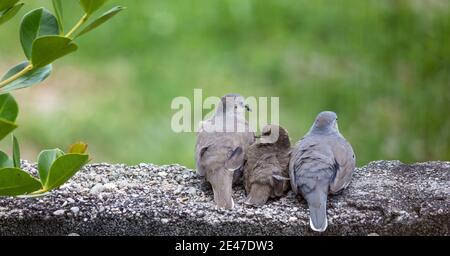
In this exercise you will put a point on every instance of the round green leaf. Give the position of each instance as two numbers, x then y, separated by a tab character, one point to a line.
8	114
6	4
90	6
14	182
45	161
5	161
6	127
35	76
10	13
102	19
50	48
37	23
63	169
8	107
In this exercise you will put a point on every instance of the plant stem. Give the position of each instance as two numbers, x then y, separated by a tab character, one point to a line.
78	25
40	191
16	76
30	66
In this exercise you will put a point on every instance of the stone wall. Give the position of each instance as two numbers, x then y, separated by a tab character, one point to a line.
385	198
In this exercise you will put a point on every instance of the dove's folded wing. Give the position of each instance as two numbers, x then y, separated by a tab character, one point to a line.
345	162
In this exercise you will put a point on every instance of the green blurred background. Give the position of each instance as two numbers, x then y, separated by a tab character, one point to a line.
383	66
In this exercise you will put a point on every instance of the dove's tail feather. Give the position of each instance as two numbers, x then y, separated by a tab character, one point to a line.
318	218
317	203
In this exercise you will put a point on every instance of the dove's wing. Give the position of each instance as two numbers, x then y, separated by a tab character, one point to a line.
311	169
204	141
245	140
199	152
284	158
262	169
296	162
345	162
294	156
276	173
213	148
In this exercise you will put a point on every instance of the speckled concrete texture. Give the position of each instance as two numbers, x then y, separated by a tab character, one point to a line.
385	198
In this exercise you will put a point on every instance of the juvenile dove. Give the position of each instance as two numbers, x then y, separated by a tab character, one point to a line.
266	172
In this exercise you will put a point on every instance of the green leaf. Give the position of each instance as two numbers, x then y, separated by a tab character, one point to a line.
14	182
78	148
16	152
63	169
8	107
45	161
5	161
58	7
37	23
90	6
35	76
8	114
6	4
6	127
10	13
102	19
50	48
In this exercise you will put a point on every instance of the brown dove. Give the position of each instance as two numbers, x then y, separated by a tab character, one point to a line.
222	143
266	172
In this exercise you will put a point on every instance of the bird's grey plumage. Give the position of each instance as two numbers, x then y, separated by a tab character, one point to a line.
322	163
266	173
222	142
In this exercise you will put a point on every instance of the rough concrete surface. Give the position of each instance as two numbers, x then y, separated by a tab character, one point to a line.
385	198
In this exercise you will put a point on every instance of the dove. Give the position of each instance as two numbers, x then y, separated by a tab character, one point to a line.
266	172
222	143
322	163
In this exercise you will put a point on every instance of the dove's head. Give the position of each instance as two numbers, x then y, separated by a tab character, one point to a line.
326	122
274	134
232	103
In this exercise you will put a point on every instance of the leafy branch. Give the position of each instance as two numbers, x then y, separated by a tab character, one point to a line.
55	168
43	41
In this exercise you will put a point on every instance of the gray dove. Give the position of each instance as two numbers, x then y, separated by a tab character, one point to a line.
266	172
322	163
222	142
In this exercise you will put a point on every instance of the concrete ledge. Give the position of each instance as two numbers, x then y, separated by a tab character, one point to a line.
385	198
